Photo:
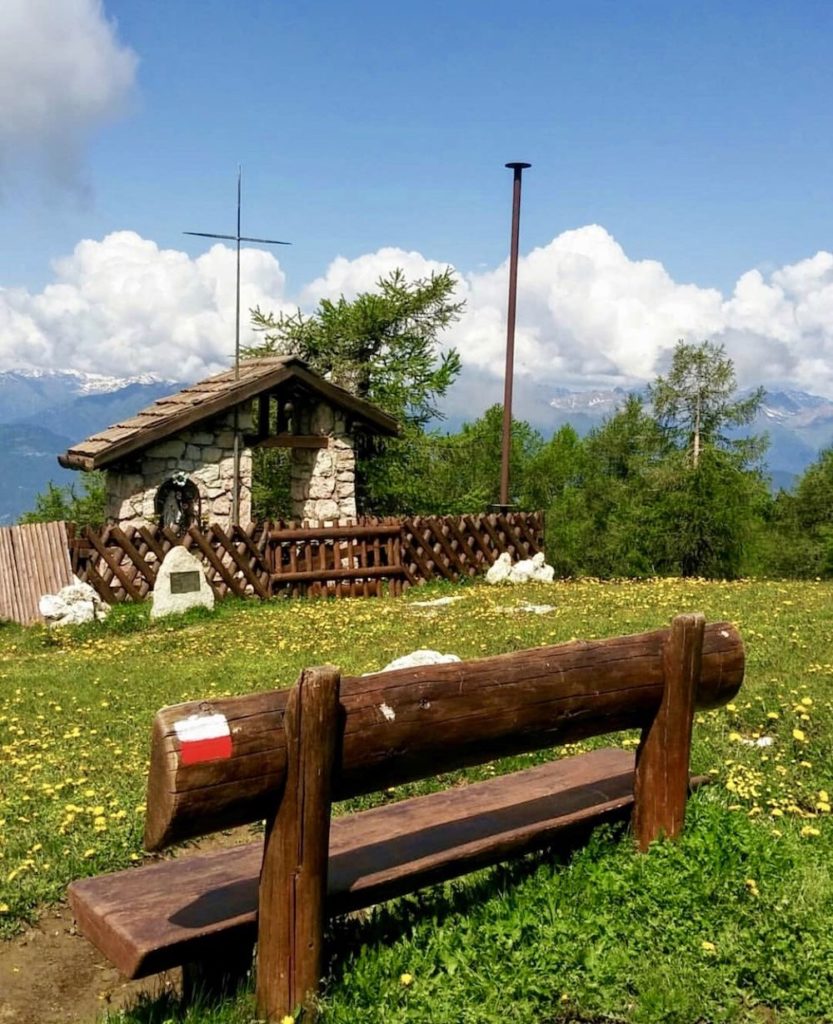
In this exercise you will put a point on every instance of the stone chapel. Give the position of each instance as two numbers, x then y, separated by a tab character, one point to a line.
188	458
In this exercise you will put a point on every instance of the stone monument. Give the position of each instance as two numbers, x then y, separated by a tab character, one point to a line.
180	585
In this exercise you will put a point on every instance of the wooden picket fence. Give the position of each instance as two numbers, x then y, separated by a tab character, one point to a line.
365	557
34	561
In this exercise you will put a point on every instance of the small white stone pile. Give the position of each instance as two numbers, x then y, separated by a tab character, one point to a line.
527	570
73	605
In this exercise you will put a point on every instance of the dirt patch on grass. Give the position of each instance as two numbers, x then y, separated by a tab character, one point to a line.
51	975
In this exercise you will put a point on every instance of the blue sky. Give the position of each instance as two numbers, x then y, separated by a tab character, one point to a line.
698	136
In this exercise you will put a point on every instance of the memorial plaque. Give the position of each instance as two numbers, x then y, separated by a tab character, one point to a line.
185	582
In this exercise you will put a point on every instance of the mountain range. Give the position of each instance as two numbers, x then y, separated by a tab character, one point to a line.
43	412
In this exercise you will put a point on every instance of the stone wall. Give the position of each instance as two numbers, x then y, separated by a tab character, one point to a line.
324	479
205	453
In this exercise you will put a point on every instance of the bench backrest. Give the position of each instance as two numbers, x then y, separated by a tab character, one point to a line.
221	763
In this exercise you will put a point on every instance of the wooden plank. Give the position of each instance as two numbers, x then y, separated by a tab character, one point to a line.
8	565
8	574
213	559
320	576
293	879
513	538
519	521
153	543
411	547
663	757
474	530
500	546
29	582
107	593
153	918
242	563
418	722
134	555
113	561
469	562
455	563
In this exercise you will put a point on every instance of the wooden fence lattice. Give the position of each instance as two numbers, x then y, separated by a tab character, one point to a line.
365	557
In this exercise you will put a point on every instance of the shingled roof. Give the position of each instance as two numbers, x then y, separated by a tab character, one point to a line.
208	398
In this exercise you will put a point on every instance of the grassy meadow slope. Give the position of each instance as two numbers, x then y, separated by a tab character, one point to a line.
730	924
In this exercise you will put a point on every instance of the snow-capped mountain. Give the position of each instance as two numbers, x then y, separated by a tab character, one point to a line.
799	424
43	412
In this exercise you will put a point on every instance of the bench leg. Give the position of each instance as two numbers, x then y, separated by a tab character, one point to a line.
662	761
293	881
217	977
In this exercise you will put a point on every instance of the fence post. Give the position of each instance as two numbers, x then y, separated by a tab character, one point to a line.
293	882
662	760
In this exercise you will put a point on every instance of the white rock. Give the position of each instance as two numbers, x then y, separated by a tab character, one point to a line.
541	572
73	605
438	602
417	658
165	602
521	572
498	572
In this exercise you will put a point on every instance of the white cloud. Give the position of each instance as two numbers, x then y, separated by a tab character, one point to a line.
123	305
63	73
588	315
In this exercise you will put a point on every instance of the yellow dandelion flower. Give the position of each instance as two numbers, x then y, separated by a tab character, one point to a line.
708	947
808	831
406	979
798	734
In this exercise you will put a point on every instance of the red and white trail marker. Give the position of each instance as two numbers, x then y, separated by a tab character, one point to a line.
203	738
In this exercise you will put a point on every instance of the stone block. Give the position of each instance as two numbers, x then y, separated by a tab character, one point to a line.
207	474
154	469
321	510
201	437
180	585
321	487
221	506
168	449
193	452
212	453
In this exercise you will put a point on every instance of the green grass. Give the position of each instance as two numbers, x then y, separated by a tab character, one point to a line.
729	924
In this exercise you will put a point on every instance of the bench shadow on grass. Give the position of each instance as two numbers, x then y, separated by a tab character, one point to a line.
384	925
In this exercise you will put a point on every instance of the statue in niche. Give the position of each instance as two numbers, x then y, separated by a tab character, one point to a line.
178	502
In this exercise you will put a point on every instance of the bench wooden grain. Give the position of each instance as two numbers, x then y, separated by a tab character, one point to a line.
293	752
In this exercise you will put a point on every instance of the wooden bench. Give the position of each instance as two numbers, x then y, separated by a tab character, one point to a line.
284	756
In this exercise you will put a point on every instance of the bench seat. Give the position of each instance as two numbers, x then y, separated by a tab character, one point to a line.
199	906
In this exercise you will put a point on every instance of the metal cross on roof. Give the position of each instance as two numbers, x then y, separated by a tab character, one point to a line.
238	238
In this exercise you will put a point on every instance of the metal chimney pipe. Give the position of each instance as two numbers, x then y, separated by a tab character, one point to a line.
518	168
